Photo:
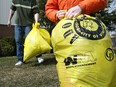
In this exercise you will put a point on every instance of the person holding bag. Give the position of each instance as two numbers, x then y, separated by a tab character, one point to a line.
27	14
58	9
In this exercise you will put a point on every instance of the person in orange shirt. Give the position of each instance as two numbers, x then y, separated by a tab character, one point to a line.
57	9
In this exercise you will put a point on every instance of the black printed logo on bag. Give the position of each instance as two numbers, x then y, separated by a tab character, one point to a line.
70	60
109	54
89	28
84	59
66	25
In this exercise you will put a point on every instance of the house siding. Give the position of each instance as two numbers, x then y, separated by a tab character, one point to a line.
4	12
6	32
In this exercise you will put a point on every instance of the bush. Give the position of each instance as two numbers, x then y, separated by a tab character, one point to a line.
7	46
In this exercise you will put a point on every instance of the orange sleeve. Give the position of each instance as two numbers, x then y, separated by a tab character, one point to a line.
51	9
92	6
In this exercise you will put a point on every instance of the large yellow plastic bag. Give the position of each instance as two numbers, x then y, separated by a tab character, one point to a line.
36	42
83	50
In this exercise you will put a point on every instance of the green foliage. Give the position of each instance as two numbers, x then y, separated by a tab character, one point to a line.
44	21
107	18
7	46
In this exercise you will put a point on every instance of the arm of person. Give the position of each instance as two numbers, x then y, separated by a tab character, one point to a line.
35	11
51	9
92	6
86	7
36	17
11	13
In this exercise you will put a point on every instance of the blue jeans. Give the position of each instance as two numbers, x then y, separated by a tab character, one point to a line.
20	33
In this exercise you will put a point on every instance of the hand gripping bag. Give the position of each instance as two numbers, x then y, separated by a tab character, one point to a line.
36	42
83	50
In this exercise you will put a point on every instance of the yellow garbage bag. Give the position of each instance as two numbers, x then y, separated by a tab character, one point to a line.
36	42
83	50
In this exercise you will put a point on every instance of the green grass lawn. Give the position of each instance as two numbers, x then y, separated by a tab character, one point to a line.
30	74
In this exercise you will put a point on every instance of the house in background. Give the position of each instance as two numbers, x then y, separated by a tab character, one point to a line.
113	25
4	12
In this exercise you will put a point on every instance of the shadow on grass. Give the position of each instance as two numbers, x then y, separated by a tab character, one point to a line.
47	61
